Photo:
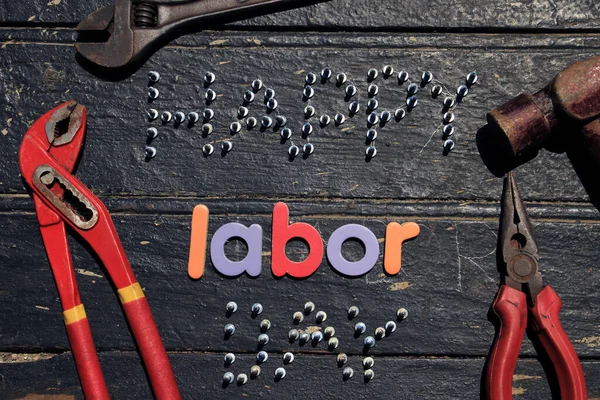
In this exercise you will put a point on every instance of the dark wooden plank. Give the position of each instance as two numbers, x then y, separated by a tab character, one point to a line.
367	15
406	168
199	376
448	281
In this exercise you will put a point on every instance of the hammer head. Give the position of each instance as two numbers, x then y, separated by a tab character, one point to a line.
550	118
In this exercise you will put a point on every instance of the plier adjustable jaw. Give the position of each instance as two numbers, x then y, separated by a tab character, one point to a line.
525	303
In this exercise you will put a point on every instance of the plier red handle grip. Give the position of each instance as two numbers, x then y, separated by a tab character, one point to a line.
47	157
525	303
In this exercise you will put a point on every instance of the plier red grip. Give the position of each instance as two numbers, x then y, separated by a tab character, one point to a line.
524	302
47	157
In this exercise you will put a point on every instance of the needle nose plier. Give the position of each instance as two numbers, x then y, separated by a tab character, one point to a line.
47	156
525	302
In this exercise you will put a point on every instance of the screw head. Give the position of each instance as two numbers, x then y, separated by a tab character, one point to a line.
193	117
286	133
228	378
242	379
251	123
402	314
426	77
390	327
256	309
280	373
309	307
208	149
403	76
333	343
321	317
329	332
412	102
293	151
242	112
262	356
308	92
269	94
369	341
231	307
353	312
368	362
229	358
266	121
341	359
254	371
235	127
372	74
265	325
207	129
373	119
347	373
325	120
257	84
248	96
152	132
153	76
229	329
412	89
208	114
308	149
387	71
372	134
226	146
371	152
272	104
339	119
471	78
152	114
307	129
210	95
341	78
309	111
326	73
360	328
288	358
399	114
373	90
317	336
153	93
372	104
351	90
310	79
263	339
354	107
209	77
293	335
150	152
166	117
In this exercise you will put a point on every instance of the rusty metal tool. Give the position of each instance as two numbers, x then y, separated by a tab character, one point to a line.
525	302
47	157
128	31
564	115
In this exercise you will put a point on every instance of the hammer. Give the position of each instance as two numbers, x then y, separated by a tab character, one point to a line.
563	116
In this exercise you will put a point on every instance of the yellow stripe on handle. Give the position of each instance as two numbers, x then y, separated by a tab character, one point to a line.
131	293
74	314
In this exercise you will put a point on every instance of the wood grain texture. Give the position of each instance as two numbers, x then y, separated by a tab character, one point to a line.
364	15
199	376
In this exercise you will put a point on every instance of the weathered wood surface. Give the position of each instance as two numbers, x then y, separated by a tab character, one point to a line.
364	15
449	275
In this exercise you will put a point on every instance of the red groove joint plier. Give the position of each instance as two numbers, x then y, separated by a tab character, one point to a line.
524	302
47	157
